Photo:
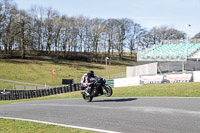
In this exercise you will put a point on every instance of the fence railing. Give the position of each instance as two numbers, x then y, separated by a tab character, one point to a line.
116	75
23	87
26	94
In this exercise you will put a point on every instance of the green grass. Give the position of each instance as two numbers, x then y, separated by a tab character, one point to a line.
10	85
5	85
17	126
38	71
160	90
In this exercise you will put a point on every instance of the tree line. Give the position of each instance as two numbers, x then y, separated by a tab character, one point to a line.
45	30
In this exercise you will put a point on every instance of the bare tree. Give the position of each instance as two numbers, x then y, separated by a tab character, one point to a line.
124	27
82	28
197	36
135	36
97	28
111	31
57	24
165	33
48	28
37	13
7	17
22	31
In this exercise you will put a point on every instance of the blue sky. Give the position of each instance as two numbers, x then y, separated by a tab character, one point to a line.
149	13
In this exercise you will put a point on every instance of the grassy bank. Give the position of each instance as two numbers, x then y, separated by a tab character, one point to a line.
38	71
17	126
4	84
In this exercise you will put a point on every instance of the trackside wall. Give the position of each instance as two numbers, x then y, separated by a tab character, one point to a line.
196	76
130	81
141	70
158	79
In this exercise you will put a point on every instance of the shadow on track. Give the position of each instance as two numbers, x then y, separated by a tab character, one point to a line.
116	100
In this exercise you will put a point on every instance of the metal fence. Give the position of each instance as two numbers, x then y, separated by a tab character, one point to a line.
22	87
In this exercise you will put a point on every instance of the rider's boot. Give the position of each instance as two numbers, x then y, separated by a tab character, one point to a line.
87	91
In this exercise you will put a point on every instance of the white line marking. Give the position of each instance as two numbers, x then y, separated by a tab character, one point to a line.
163	110
63	125
167	97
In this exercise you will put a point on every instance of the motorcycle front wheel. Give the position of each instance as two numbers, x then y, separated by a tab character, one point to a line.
87	99
108	90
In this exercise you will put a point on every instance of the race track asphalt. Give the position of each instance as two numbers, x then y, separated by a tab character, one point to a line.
128	115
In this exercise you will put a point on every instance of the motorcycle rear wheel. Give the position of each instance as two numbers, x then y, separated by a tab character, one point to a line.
87	99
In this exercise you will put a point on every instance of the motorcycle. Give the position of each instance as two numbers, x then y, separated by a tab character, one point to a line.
98	88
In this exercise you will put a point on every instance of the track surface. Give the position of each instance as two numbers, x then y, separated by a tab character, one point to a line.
128	115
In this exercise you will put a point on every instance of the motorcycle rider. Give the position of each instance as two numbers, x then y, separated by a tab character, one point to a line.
86	81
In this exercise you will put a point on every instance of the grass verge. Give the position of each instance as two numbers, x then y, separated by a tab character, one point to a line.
160	90
17	126
38	71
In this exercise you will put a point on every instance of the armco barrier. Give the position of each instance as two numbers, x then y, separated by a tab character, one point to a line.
27	94
110	82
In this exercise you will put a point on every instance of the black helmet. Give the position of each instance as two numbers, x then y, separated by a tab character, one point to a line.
90	73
